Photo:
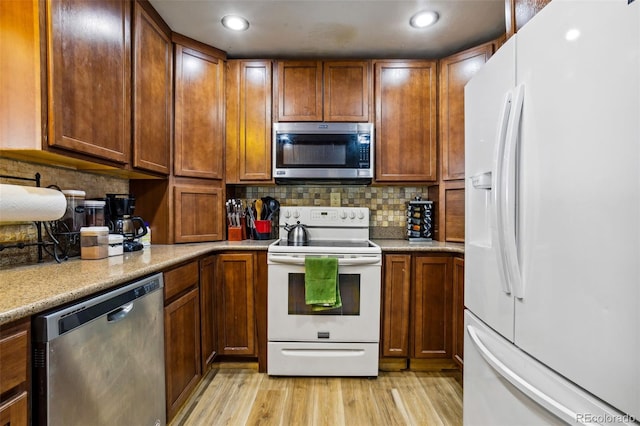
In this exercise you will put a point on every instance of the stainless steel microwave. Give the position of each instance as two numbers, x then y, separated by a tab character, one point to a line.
323	152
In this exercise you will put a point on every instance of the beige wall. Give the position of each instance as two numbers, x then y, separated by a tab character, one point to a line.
387	203
96	186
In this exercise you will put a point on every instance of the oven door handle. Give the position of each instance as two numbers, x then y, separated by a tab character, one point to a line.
349	261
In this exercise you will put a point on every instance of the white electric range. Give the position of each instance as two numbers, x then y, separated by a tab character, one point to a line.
337	342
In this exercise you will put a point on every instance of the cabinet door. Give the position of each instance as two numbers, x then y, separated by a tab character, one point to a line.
235	310
182	349
347	88
432	307
405	121
20	85
89	77
519	12
199	104
198	213
458	310
396	286
15	412
248	117
455	72
152	91
207	310
299	91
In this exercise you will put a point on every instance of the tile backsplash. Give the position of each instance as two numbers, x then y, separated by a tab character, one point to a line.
387	203
95	186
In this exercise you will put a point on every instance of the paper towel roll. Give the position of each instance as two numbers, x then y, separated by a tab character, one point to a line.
29	203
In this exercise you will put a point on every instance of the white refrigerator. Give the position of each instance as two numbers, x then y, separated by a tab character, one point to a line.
552	245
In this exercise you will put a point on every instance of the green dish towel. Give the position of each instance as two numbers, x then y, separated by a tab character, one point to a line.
321	285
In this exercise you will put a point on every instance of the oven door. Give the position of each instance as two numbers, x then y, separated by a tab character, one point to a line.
358	320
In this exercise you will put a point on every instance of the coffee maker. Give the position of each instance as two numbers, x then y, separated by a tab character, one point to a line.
120	219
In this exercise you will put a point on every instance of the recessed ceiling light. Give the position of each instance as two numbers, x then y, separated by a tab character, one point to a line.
424	19
235	22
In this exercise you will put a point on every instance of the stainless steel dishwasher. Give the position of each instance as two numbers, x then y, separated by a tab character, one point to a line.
101	361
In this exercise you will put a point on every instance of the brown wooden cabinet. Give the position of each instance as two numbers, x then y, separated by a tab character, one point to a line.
248	121
15	376
455	71
347	91
458	310
235	308
323	91
181	210
152	90
89	76
405	98
519	12
432	304
199	109
183	368
396	290
417	308
208	332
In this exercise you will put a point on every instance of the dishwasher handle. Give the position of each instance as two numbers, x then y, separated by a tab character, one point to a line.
120	313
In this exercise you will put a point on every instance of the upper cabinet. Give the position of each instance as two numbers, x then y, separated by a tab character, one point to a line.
89	51
67	92
323	91
248	121
519	12
405	97
455	72
199	109
347	90
152	90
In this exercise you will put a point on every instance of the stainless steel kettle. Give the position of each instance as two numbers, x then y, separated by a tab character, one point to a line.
297	234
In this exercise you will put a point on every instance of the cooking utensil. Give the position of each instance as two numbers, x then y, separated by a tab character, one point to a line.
274	206
296	234
258	209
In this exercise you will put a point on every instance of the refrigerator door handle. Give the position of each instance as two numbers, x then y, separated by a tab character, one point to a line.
533	393
508	207
497	193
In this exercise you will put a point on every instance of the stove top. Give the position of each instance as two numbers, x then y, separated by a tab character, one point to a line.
326	243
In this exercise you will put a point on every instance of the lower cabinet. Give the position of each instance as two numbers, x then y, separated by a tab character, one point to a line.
235	282
15	374
418	307
458	310
208	331
183	368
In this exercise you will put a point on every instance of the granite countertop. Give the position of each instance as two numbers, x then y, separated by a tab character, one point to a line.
31	289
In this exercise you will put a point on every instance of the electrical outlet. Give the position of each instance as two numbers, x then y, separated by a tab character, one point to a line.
335	199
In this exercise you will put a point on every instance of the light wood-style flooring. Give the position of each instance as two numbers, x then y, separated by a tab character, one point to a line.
242	396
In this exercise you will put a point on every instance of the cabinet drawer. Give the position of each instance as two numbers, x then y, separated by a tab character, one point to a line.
178	280
16	411
13	360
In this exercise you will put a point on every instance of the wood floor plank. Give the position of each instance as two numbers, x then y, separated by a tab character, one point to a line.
267	407
358	402
445	394
327	402
239	397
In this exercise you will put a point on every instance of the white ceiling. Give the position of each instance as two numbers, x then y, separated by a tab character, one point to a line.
336	28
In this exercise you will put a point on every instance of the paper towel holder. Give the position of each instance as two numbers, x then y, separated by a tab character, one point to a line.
40	243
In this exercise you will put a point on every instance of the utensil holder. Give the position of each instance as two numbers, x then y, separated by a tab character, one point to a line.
263	229
419	220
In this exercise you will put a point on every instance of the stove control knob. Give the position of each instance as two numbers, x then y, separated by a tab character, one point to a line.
287	213
352	215
360	214
343	214
296	214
